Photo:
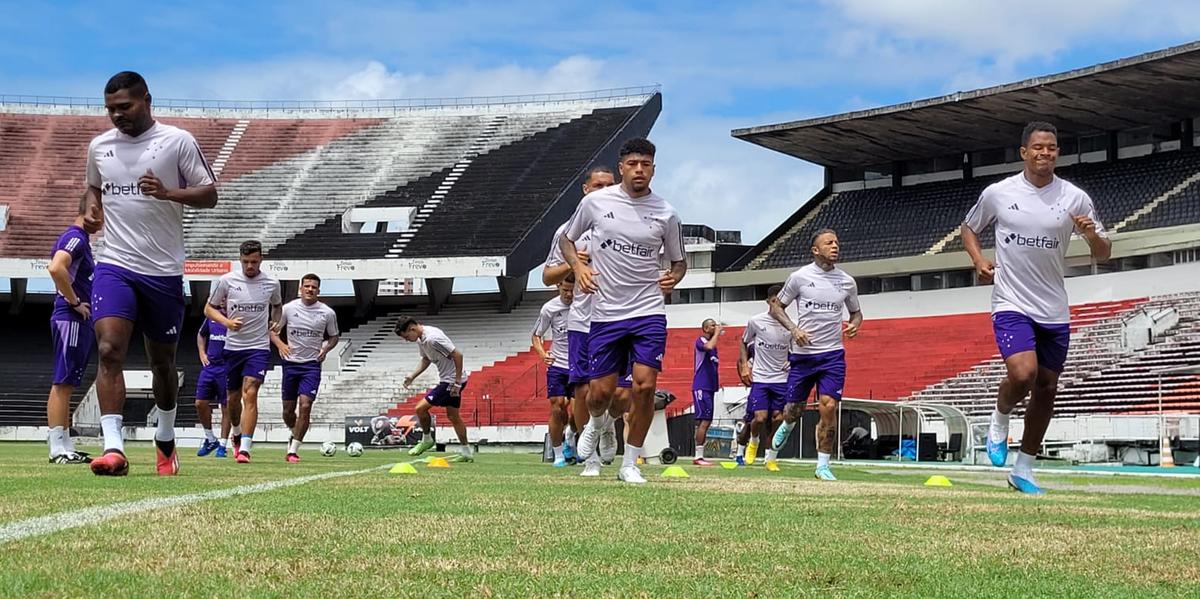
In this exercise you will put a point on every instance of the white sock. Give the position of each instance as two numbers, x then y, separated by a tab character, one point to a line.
772	454
229	443
822	460
558	453
111	425
208	435
1024	466
998	429
68	441
569	437
699	451
741	451
166	425
56	441
631	455
247	443
294	446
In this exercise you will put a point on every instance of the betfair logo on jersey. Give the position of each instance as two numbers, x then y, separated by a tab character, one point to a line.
818	306
254	308
630	249
768	346
1043	242
311	334
112	189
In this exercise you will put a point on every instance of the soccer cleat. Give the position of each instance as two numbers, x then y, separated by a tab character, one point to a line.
781	435
630	474
70	457
824	473
591	468
207	447
560	463
741	461
1024	485
462	457
608	443
167	465
568	453
220	452
587	441
112	463
997	452
243	457
701	462
292	458
422	447
773	466
751	452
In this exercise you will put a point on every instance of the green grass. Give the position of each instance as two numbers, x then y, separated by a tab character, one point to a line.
511	526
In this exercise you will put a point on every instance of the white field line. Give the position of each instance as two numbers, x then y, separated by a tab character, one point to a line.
44	525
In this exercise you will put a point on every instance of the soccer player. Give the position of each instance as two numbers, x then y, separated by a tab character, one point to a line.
141	174
252	308
312	331
630	226
821	291
211	387
437	349
769	342
1034	213
71	268
705	383
553	317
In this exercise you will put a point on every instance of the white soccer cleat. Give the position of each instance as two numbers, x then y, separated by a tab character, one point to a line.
587	441
631	474
608	443
591	468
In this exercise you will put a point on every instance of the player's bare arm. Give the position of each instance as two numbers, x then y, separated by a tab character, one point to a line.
985	270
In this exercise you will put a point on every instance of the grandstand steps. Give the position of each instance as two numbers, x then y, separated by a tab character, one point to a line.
1156	202
757	262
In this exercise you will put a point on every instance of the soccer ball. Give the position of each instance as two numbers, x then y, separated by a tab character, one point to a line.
354	449
328	448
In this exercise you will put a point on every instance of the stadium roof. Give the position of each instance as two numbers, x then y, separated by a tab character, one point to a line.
1148	89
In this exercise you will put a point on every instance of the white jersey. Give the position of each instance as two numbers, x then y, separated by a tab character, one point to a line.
579	318
142	233
771	342
554	317
820	295
1033	229
307	329
250	300
628	234
436	347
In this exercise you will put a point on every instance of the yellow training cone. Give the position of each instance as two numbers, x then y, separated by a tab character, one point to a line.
729	465
938	481
675	472
438	463
403	468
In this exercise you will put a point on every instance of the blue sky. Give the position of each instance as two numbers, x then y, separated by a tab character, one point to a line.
722	64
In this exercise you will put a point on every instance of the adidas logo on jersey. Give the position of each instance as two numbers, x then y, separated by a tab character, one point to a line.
172	331
109	154
1015	207
609	215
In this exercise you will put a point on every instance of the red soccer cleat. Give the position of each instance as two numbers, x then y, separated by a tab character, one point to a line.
112	463
243	457
292	458
701	462
167	465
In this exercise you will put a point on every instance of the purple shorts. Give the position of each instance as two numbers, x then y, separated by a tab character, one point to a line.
702	404
301	380
245	363
612	346
154	304
826	371
625	377
1016	333
558	382
440	396
768	397
211	384
73	343
577	357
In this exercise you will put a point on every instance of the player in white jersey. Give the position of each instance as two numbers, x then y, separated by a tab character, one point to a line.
769	342
1034	213
630	227
141	174
252	303
312	331
821	291
436	349
553	318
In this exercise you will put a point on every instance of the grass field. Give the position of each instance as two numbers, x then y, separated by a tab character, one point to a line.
509	525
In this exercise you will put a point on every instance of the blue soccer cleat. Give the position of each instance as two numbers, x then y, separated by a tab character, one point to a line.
568	453
781	435
824	473
741	461
560	463
220	452
1024	485
997	452
207	447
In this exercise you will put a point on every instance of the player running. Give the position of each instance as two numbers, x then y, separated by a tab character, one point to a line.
312	331
630	225
71	267
437	349
141	174
252	308
1034	213
821	291
769	342
211	388
553	317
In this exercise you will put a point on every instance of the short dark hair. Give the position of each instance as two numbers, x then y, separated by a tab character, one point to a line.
637	145
706	321
1034	127
774	290
250	246
818	235
600	168
126	80
404	323
310	277
570	278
